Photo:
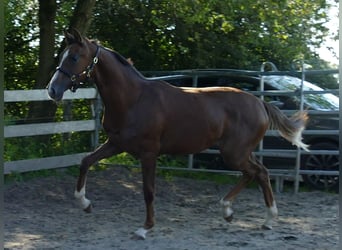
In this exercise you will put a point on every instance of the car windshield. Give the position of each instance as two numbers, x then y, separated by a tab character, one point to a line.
315	101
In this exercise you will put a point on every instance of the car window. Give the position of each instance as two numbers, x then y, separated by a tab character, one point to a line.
243	83
314	101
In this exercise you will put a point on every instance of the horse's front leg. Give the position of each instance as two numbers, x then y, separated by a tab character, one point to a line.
104	151
148	164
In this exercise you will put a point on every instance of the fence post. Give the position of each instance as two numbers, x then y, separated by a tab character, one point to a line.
279	180
191	156
301	107
97	118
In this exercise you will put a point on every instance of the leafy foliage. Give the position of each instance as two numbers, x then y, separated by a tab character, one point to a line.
20	56
59	144
169	35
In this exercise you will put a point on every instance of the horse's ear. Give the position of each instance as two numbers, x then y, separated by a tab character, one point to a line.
73	36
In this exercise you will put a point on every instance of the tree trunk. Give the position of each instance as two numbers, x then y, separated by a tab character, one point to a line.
45	111
82	16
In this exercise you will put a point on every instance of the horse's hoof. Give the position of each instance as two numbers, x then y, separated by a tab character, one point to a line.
141	233
88	209
229	218
266	227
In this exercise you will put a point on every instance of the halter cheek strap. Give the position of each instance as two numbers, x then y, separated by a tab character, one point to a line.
74	78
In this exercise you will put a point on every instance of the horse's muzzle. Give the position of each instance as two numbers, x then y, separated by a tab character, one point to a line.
53	94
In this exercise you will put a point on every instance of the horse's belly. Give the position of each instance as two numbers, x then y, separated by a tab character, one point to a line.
187	141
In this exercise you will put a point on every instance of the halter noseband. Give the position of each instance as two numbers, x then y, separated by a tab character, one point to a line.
75	77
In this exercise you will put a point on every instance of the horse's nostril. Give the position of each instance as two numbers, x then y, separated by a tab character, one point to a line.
51	92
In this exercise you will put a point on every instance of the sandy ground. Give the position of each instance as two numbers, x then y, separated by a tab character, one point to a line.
42	214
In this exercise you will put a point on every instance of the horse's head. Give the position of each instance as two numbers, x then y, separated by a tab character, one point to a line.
75	66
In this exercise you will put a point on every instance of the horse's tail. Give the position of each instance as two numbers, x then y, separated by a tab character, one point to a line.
289	128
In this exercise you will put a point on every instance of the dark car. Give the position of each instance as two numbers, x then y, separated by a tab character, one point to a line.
327	120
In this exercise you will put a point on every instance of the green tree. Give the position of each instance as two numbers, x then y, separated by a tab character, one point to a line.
20	61
170	35
46	16
161	35
21	53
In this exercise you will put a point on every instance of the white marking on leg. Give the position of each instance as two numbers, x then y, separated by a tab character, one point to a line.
81	197
271	213
227	208
141	233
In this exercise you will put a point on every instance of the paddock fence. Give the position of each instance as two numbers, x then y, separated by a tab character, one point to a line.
37	129
95	127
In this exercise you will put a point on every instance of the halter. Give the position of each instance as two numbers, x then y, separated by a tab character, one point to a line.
74	78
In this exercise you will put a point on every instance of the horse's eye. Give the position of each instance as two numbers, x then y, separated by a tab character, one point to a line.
74	58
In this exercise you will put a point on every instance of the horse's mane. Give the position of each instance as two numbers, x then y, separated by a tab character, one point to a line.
120	58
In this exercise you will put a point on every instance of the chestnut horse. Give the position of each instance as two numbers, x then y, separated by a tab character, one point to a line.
147	118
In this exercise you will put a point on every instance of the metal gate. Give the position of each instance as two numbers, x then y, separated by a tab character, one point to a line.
278	174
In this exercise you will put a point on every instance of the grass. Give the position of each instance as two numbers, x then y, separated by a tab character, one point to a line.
177	163
21	177
126	160
218	178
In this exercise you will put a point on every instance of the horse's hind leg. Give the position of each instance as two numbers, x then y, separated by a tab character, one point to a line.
104	151
251	169
263	180
227	200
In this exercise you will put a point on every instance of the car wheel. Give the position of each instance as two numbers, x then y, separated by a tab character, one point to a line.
322	162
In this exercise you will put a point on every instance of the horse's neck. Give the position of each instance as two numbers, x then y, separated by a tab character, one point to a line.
118	87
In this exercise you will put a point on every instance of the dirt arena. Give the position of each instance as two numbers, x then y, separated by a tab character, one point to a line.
42	214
